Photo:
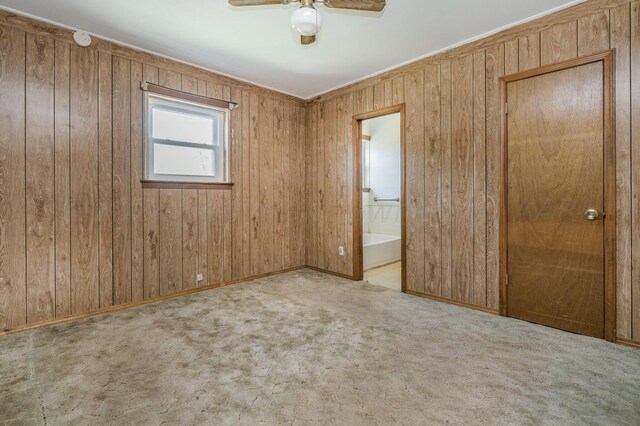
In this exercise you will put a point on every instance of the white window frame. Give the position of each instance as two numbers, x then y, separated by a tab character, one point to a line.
192	107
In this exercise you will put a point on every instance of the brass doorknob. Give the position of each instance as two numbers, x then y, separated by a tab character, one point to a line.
591	214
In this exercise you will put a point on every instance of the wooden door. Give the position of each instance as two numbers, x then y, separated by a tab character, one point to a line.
555	198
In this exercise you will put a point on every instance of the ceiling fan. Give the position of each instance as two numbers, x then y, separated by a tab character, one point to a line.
306	20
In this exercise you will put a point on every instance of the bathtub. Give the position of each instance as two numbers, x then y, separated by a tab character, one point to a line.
380	250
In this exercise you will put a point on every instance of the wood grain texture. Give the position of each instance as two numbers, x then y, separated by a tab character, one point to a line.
40	188
432	183
265	189
62	179
415	193
448	184
529	52
462	179
593	33
105	178
247	156
137	174
621	41
279	219
84	180
151	219
446	187
541	24
190	223
170	222
13	294
494	70
559	43
555	166
115	238
121	180
479	293
635	167
341	197
26	24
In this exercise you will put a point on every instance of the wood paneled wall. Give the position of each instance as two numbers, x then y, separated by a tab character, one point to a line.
452	154
77	230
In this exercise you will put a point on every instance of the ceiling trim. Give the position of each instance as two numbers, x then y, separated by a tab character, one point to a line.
150	52
321	93
451	47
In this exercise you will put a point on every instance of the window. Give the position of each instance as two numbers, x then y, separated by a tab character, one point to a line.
187	141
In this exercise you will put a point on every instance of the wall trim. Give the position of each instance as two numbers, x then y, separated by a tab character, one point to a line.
336	274
537	24
453	302
628	342
116	308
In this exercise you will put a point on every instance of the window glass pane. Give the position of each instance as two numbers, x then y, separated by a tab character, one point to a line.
182	126
177	160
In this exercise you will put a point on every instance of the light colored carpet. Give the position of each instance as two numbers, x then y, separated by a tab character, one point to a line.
307	348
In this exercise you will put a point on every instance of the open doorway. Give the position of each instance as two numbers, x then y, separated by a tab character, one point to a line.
379	198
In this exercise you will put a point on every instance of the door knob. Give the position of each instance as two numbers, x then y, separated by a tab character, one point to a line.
591	214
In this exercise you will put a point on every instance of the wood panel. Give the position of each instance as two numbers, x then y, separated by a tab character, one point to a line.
620	40
247	158
432	183
13	294
593	33
462	178
279	219
170	222
137	208
105	177
62	179
265	188
559	43
415	195
78	230
635	167
84	180
529	52
151	219
479	232
445	216
190	228
40	188
121	180
494	70
461	158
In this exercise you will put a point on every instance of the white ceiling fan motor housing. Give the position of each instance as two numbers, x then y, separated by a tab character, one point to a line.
306	20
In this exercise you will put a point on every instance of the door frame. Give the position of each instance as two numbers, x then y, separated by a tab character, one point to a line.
608	60
358	264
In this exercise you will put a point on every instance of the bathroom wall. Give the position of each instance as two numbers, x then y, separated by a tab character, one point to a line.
383	217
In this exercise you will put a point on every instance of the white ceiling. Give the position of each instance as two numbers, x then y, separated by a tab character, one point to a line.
257	44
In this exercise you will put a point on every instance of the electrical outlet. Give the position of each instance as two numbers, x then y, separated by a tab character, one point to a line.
341	251
200	277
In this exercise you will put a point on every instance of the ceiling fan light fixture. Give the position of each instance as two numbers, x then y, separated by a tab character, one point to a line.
306	20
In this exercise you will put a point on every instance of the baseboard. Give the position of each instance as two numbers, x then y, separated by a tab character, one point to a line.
628	342
123	306
337	274
454	302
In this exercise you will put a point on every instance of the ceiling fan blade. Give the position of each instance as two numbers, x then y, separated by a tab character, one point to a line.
368	5
256	2
307	39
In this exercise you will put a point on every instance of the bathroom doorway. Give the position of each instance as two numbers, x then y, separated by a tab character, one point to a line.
379	198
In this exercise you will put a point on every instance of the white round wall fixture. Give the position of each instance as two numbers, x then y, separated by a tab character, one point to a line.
82	38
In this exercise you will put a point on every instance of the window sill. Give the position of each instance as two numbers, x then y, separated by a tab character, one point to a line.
162	184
